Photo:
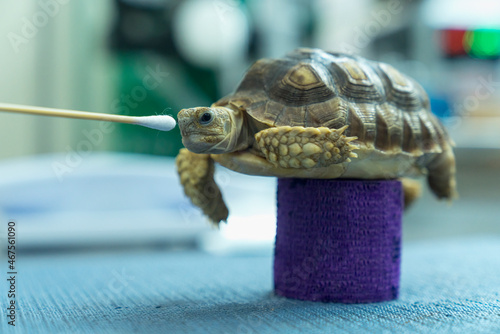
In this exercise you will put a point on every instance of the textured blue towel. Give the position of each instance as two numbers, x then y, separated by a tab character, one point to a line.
446	287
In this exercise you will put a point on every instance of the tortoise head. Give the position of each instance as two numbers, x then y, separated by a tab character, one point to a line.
210	130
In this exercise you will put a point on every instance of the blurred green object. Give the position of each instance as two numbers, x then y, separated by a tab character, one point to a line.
136	98
483	43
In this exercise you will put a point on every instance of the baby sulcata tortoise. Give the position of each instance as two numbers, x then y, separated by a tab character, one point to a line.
303	116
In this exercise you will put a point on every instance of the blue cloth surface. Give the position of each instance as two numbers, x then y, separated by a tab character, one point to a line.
447	286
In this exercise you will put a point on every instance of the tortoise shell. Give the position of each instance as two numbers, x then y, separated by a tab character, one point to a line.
385	109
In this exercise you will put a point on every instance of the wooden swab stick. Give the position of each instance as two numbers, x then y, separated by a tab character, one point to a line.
161	122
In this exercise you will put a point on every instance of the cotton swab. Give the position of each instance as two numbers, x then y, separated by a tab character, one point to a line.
162	122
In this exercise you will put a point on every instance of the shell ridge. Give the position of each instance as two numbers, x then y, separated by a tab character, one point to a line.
367	118
279	115
306	114
430	140
388	125
400	89
412	142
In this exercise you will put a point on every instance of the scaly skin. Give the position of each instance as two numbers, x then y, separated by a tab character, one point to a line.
300	147
196	172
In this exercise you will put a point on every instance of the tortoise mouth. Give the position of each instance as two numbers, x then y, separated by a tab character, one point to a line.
203	143
184	133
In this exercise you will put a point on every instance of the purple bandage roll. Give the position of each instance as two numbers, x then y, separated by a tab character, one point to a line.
338	240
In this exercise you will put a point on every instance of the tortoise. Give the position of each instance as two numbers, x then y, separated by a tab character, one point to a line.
316	114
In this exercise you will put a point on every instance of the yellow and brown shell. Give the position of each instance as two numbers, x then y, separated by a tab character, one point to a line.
388	112
313	88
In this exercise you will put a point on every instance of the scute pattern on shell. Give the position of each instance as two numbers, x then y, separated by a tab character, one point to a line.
385	109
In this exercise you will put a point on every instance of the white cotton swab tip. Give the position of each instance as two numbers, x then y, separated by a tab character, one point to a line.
162	122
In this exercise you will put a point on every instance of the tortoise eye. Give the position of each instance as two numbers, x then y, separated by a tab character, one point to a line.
206	118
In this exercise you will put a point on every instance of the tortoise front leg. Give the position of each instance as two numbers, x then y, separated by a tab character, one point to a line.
300	147
196	172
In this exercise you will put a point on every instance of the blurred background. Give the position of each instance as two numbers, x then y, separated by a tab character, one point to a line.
73	184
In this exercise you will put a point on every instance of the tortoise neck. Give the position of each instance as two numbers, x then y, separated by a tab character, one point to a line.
238	137
240	130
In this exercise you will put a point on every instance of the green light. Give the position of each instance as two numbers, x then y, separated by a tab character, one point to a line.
482	43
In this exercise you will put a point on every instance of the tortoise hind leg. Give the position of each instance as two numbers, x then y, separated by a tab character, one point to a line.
441	177
412	190
196	172
300	147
